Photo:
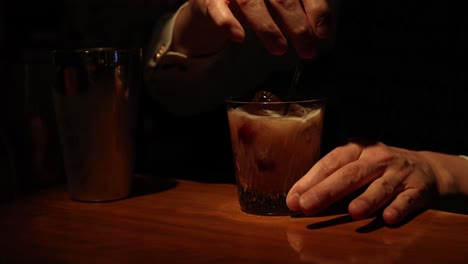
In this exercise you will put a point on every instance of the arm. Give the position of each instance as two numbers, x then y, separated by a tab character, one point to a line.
209	50
305	25
451	172
195	34
187	79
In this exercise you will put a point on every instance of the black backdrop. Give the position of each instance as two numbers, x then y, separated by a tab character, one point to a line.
398	74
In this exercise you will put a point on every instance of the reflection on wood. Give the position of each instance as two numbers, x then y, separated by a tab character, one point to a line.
202	223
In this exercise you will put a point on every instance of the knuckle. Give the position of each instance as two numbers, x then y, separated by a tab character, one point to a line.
269	30
321	8
414	198
324	196
301	31
329	162
352	145
286	4
211	4
248	3
213	11
355	176
386	186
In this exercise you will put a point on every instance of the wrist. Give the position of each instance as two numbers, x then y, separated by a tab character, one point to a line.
449	171
195	34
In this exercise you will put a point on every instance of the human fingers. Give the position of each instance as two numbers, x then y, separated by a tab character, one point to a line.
258	17
320	17
408	181
294	22
407	202
341	183
379	193
219	11
326	166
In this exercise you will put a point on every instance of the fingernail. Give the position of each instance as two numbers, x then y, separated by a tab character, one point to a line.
279	46
309	201
391	216
237	34
292	200
308	52
322	28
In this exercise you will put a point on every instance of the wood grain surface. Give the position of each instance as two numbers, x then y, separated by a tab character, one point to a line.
179	221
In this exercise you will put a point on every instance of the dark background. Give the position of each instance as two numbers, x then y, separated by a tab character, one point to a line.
398	74
29	30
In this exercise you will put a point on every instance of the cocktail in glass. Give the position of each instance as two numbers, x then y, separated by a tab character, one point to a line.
274	144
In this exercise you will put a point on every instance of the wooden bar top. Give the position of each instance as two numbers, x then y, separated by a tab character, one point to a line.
196	222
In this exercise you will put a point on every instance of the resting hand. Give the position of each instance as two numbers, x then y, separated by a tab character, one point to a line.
400	182
275	22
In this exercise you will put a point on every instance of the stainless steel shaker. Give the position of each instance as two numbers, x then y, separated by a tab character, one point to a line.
95	93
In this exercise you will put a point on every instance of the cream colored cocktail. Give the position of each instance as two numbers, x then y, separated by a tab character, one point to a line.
274	145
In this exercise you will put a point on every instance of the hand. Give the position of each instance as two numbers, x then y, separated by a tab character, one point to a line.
400	182
307	24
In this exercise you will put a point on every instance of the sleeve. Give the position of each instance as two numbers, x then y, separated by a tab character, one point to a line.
186	85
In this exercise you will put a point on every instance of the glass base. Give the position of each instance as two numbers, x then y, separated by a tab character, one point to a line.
263	203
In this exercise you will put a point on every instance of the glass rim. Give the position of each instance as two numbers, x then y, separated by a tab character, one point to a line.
242	100
93	50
